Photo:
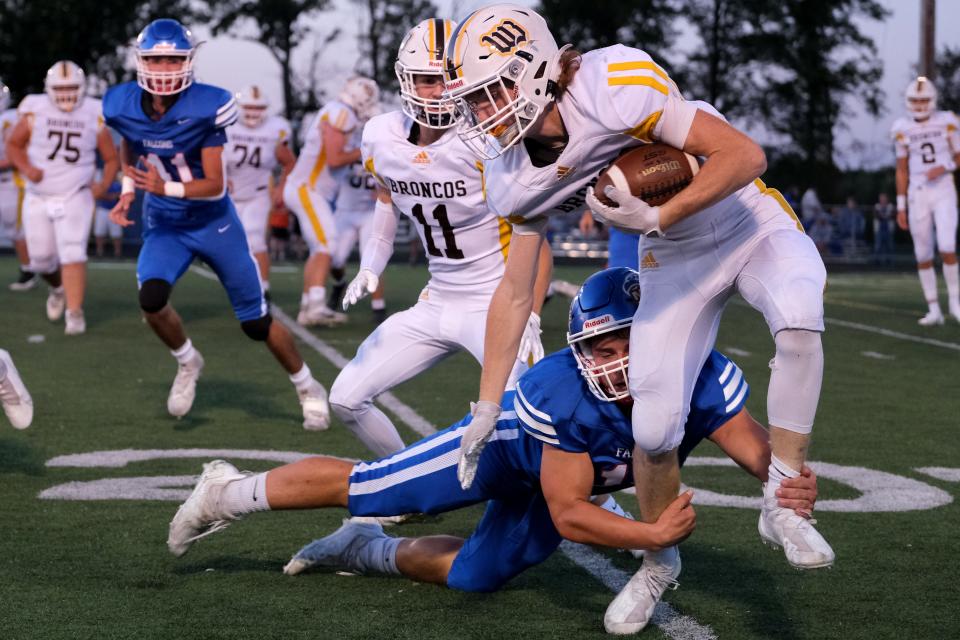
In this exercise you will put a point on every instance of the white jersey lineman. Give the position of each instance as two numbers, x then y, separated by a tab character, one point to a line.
441	188
250	157
353	209
749	242
58	210
311	187
11	185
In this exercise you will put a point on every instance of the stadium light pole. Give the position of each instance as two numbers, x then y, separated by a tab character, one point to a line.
928	19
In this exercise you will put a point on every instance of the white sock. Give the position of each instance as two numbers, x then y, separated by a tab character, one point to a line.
245	496
265	284
302	379
379	555
185	353
304	300
777	472
670	555
951	274
378	303
317	295
928	282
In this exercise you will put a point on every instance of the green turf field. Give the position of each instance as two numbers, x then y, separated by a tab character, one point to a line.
100	568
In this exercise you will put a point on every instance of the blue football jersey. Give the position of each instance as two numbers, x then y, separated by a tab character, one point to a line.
553	404
174	143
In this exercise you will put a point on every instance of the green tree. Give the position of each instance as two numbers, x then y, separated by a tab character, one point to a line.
93	33
387	21
948	79
281	26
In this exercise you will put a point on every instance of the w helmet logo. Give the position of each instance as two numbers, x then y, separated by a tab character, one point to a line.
505	37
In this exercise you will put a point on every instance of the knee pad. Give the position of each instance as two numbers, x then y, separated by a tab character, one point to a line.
154	295
795	380
258	329
73	253
657	427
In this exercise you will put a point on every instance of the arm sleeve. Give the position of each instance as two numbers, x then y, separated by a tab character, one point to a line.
541	422
379	247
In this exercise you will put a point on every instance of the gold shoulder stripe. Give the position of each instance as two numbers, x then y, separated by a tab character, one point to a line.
643	130
644	81
646	65
483	182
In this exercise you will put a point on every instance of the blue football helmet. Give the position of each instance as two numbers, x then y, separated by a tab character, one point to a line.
606	302
165	38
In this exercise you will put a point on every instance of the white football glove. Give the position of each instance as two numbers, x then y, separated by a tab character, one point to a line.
364	283
531	349
475	438
633	214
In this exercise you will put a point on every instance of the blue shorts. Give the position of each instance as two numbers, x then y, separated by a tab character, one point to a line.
221	242
623	250
515	532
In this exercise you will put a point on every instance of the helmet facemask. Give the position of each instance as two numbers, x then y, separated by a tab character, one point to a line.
434	113
164	83
65	85
921	98
607	381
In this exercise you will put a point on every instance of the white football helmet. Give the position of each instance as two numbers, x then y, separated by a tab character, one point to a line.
362	95
253	105
921	98
422	54
4	97
502	67
65	85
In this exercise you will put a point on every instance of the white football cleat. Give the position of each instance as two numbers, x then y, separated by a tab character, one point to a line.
611	505
633	607
25	282
184	388
955	312
339	549
201	514
16	400
564	288
320	316
316	409
932	318
76	324
383	521
56	303
803	545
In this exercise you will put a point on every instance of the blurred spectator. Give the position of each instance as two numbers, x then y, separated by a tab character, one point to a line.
792	196
883	214
102	225
821	232
810	207
850	225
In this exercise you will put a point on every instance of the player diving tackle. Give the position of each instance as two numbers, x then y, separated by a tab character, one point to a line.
547	457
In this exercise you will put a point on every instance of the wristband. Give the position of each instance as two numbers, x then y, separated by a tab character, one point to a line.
173	189
901	202
127	185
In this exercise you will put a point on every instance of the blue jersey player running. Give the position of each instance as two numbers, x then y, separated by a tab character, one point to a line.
173	135
568	437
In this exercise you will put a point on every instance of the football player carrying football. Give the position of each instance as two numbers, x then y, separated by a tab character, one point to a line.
567	437
425	172
54	146
173	133
547	120
928	151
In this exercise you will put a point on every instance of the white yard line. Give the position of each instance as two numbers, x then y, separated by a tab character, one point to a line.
670	621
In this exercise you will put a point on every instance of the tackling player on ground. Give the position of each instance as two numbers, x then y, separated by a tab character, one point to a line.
567	437
54	147
174	131
548	120
425	172
256	144
928	150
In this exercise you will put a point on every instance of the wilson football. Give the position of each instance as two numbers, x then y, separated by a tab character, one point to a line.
653	172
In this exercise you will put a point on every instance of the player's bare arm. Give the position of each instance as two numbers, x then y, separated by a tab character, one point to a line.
334	144
567	480
902	178
120	210
111	163
733	160
17	151
209	186
287	161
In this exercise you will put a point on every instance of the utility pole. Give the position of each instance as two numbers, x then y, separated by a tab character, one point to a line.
928	18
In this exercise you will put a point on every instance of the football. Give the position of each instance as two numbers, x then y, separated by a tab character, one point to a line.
654	173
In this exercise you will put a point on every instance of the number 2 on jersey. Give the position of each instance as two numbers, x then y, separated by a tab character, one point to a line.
928	153
449	239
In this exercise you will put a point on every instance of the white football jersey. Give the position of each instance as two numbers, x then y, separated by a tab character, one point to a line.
251	155
63	144
934	141
357	190
311	168
8	120
441	188
616	101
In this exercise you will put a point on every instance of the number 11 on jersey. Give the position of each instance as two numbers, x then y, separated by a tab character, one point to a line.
167	166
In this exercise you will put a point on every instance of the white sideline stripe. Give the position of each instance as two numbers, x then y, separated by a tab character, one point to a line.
946	474
670	621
